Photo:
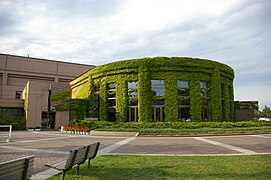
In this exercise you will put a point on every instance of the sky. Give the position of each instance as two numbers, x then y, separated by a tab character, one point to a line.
95	32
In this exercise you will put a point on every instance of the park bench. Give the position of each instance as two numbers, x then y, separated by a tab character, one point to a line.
92	152
20	168
76	156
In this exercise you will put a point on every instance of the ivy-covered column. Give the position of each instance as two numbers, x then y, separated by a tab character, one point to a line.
226	103
231	102
195	100
103	102
91	97
215	96
144	94
171	99
121	100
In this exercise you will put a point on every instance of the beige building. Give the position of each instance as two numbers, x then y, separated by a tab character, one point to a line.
35	77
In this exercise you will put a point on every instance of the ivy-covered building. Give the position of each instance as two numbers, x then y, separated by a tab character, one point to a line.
158	89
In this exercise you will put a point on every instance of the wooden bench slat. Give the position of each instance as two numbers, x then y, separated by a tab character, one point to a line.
20	168
93	149
76	156
81	155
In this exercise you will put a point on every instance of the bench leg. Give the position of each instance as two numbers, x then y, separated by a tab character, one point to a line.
88	163
63	175
77	170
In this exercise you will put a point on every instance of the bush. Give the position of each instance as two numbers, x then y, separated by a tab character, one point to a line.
165	125
18	123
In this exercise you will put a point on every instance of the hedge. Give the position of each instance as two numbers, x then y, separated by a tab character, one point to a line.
164	125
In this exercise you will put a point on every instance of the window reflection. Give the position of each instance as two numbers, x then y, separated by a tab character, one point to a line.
158	87
183	101
132	89
183	89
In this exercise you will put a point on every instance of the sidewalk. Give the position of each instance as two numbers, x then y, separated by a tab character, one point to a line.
50	146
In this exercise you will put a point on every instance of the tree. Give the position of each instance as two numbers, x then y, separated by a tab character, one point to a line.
266	112
79	107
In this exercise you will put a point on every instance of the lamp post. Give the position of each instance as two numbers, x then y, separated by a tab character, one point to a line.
49	103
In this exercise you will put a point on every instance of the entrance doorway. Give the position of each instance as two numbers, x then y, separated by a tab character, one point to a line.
112	114
48	120
158	113
133	113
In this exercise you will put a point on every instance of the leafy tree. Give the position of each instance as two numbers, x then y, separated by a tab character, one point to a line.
266	112
79	107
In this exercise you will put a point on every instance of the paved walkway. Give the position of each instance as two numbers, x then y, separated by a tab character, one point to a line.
50	146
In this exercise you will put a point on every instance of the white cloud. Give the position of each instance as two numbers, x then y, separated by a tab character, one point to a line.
94	32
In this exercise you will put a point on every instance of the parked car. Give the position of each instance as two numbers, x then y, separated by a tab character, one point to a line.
263	119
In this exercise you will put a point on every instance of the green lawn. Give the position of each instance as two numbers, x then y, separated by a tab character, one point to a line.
175	167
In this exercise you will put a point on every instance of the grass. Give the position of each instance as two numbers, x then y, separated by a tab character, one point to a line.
193	132
175	167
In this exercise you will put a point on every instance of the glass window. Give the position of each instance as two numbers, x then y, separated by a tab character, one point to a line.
111	90
184	102
184	114
11	112
18	94
132	89
183	89
158	102
132	101
203	85
182	84
158	87
111	95
112	86
204	89
205	93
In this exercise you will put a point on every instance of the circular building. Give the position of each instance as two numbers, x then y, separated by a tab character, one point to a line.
158	89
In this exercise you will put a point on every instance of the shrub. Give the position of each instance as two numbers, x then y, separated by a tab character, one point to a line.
18	123
164	125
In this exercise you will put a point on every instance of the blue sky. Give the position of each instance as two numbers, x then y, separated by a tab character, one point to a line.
234	32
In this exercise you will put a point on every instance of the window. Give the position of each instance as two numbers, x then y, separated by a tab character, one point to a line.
18	94
132	89
11	112
158	101
205	94
112	86
133	101
158	87
183	89
203	85
183	101
111	101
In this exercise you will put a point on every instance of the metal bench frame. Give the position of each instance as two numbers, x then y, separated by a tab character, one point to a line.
20	168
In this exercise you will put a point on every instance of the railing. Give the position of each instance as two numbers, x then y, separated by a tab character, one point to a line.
9	134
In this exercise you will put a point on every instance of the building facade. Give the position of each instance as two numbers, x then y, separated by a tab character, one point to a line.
159	89
246	110
35	76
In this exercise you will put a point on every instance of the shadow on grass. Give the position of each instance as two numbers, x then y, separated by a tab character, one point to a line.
143	167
